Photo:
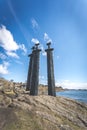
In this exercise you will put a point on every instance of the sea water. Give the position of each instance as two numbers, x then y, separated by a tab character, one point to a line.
80	95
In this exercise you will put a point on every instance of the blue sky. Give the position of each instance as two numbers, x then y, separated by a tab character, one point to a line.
64	22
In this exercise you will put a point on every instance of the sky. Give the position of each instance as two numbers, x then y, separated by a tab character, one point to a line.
26	22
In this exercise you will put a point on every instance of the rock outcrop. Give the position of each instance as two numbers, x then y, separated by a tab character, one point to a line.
43	112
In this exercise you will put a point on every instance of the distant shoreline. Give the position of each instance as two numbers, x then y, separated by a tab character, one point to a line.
78	95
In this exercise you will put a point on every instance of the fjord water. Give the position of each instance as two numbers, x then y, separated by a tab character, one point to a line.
80	95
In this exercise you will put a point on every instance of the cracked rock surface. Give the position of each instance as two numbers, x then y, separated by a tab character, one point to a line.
25	112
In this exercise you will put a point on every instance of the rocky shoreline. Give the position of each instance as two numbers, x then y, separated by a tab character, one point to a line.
43	112
20	111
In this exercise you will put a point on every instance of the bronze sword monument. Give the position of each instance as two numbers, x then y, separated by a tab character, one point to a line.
35	71
30	69
50	71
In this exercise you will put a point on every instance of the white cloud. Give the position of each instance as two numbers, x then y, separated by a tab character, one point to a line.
22	47
43	50
34	40
34	23
72	85
6	40
47	38
19	62
2	56
8	43
4	68
12	54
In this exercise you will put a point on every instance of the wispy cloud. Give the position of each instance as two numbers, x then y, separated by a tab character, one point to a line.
42	50
12	54
8	43
22	47
34	23
34	40
2	56
23	29
19	62
47	38
4	68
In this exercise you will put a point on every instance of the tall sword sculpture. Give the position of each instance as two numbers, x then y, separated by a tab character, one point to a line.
50	71
35	71
30	69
